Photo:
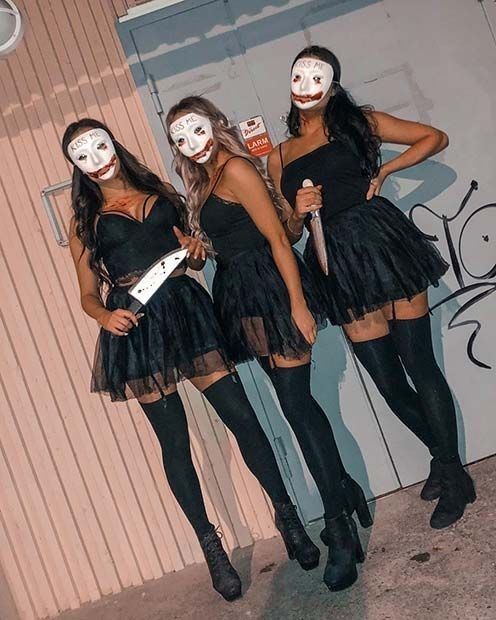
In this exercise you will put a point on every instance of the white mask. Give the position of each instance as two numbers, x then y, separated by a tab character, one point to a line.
93	152
193	136
310	81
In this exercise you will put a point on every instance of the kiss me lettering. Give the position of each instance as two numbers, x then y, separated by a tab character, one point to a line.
183	124
84	139
310	64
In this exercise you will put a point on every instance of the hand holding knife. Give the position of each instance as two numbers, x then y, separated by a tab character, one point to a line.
317	233
153	278
121	320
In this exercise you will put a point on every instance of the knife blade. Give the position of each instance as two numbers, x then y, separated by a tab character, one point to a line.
318	237
153	278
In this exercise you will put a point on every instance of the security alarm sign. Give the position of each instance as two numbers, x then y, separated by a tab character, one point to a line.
255	136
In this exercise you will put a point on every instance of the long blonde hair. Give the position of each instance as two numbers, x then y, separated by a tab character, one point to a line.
194	175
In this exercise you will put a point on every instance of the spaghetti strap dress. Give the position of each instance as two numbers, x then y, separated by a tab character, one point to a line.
178	337
251	300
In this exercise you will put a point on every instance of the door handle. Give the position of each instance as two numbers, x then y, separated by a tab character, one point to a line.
153	90
58	233
281	449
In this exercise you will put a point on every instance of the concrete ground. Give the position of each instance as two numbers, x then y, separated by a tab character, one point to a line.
411	572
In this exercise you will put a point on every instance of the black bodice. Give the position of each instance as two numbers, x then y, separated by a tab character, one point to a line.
334	166
229	226
128	245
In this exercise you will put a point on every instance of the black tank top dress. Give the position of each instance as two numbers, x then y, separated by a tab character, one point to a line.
178	336
375	253
251	301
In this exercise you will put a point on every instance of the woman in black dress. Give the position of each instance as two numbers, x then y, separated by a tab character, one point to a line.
266	302
380	266
125	219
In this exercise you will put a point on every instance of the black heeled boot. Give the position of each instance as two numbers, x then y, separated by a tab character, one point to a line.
457	490
432	486
298	544
345	551
225	579
354	502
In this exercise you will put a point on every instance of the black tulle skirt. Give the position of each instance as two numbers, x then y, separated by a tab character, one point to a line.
177	338
252	305
376	255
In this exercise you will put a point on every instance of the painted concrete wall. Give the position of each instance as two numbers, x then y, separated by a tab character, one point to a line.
404	58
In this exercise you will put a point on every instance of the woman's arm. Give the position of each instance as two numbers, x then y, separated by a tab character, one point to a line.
249	189
197	254
118	322
423	140
307	199
196	251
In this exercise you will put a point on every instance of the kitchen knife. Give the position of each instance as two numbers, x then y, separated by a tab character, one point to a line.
317	233
153	278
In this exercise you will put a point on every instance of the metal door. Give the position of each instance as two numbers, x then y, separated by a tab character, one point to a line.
202	48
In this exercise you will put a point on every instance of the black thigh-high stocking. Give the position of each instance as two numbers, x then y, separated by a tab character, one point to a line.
265	364
313	432
227	396
413	341
168	420
268	369
381	360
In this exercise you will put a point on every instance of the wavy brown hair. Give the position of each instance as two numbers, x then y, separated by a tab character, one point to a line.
194	175
87	198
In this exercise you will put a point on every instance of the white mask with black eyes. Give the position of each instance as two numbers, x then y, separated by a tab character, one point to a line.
93	152
193	136
311	80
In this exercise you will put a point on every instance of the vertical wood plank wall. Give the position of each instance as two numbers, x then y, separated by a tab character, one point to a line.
84	507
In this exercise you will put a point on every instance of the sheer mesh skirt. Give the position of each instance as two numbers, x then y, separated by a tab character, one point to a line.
177	338
376	255
252	305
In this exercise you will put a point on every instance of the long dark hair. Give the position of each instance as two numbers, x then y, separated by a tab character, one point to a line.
344	120
87	198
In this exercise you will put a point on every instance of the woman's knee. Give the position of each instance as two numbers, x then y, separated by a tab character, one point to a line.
203	383
372	326
414	308
278	361
153	397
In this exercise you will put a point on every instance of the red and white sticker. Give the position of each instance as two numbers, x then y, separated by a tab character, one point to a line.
255	136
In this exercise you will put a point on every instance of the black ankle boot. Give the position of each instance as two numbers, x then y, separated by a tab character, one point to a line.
297	541
225	579
432	486
345	551
457	490
355	501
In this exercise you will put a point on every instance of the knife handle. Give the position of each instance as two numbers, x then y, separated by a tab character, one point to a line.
135	306
315	215
309	183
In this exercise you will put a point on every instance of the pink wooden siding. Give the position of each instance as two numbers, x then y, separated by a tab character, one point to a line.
84	507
